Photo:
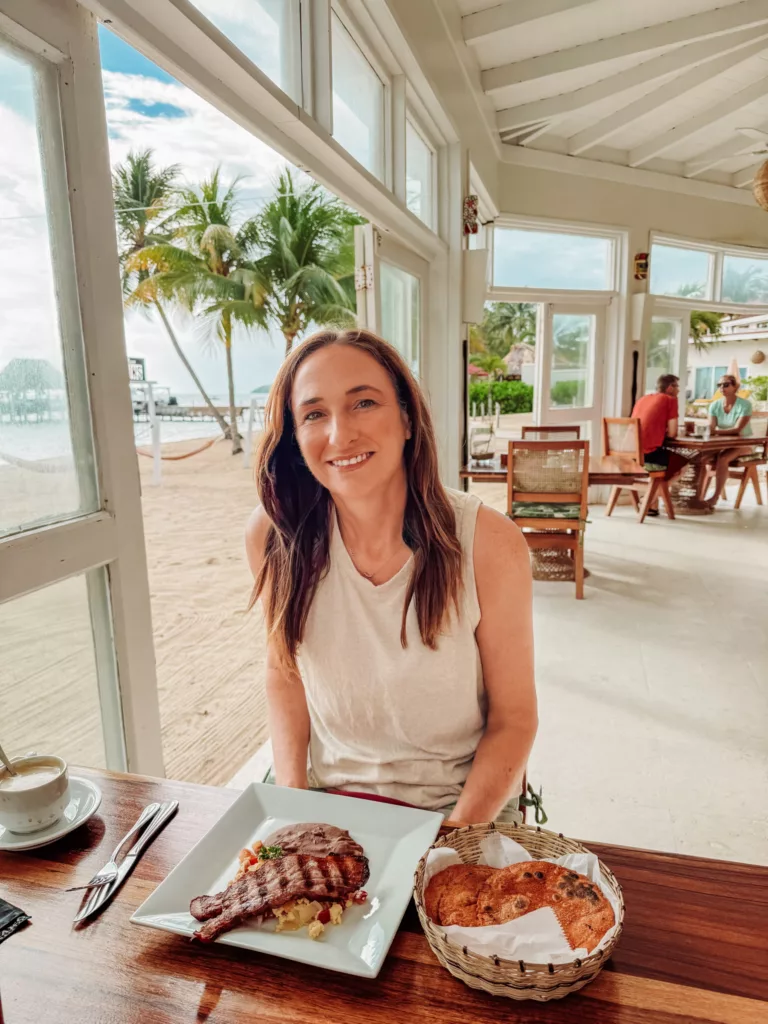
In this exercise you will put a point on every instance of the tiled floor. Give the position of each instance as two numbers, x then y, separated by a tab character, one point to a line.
653	691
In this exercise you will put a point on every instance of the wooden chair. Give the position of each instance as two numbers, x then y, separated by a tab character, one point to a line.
745	469
551	433
547	483
622	436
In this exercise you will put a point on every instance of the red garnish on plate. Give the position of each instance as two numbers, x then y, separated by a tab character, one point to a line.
360	896
324	916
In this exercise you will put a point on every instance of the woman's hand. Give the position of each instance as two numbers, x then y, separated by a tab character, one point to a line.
286	701
505	639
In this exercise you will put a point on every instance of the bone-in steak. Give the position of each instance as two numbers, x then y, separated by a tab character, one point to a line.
275	882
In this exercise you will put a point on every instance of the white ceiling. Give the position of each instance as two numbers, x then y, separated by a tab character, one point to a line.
662	85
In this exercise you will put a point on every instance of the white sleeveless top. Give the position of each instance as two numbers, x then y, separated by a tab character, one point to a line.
399	722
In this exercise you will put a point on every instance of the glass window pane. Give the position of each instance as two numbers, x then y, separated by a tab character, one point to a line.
540	259
573	344
358	102
745	280
401	311
46	454
661	355
418	174
267	32
49	696
683	272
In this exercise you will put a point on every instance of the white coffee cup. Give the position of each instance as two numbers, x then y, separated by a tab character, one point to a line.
37	796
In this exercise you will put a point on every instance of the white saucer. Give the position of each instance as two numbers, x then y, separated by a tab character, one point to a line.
84	800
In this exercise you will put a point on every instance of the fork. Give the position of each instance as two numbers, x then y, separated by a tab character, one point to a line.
109	872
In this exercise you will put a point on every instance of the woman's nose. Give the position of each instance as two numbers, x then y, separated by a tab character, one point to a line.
343	430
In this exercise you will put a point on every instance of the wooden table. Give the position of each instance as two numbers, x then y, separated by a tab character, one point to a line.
694	948
603	470
687	487
608	471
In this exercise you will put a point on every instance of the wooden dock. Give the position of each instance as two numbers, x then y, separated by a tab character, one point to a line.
186	413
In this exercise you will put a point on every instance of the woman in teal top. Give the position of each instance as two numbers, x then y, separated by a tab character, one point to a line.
728	416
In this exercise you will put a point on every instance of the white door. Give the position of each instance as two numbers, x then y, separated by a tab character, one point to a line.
664	348
569	367
391	283
77	673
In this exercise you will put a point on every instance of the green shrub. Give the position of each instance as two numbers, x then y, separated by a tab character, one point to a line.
758	387
512	395
564	392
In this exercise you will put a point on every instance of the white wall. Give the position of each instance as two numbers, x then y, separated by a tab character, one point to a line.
535	192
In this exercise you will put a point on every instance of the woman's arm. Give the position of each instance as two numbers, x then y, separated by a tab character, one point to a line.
733	431
286	702
505	638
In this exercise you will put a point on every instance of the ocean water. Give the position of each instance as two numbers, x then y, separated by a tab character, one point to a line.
51	439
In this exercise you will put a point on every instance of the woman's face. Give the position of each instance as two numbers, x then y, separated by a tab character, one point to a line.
349	424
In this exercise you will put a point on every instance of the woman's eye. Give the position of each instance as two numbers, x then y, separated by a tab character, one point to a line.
366	403
315	414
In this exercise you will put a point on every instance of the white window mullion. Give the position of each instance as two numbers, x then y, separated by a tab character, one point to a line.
398	148
716	276
85	134
316	62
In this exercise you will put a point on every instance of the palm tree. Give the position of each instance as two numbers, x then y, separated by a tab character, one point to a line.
509	324
748	285
143	197
490	363
301	245
705	324
207	270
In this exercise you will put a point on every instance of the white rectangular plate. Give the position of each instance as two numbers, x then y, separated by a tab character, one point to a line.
394	839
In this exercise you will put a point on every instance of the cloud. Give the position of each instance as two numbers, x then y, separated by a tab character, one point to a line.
142	112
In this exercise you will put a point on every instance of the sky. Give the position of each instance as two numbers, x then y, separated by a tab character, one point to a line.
145	108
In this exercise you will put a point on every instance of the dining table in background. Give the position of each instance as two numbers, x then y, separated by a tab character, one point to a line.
698	451
611	470
694	946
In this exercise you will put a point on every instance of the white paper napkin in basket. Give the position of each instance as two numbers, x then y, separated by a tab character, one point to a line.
536	937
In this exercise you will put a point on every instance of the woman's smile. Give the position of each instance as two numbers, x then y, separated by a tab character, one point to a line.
351	462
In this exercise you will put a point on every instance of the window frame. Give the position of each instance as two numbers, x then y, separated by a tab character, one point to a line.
717	252
339	9
112	537
617	237
412	118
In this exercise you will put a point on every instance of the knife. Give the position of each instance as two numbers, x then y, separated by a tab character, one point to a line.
105	893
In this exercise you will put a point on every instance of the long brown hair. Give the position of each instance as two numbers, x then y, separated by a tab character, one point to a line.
296	554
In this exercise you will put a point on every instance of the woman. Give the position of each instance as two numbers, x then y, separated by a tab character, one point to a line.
400	650
729	416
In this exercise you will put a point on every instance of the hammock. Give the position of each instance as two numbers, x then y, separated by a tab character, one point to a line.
186	455
36	465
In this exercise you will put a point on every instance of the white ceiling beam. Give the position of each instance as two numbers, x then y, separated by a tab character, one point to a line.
478	27
577	165
748	13
718	154
661	143
746	175
666	93
649	71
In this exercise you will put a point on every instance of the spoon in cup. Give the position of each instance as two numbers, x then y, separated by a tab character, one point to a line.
7	763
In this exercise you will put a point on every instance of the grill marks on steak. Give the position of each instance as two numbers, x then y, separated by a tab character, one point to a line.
275	882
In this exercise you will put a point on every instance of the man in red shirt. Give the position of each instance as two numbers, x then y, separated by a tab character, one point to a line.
658	415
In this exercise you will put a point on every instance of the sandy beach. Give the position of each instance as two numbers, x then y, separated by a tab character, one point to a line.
210	652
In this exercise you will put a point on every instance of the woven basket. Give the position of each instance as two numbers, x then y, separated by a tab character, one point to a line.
514	979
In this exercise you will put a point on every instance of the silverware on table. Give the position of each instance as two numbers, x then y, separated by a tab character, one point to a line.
109	872
104	893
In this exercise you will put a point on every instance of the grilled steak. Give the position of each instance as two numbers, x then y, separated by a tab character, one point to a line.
275	882
316	840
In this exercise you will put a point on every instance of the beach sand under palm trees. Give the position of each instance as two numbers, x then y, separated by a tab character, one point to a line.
210	652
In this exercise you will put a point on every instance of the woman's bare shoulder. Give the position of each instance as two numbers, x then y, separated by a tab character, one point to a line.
498	541
256	530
